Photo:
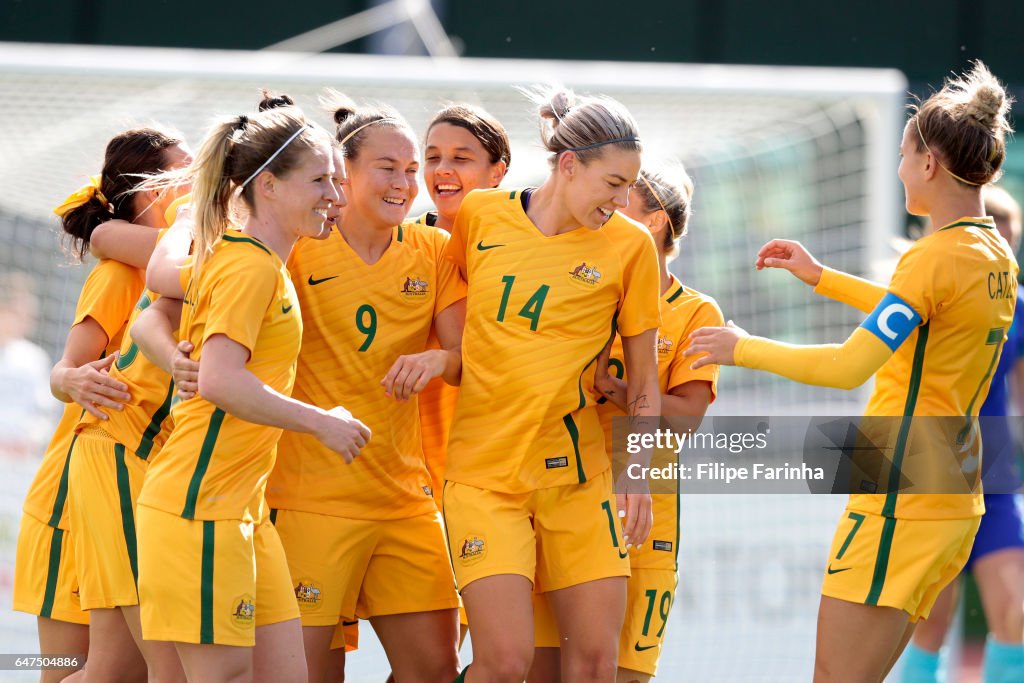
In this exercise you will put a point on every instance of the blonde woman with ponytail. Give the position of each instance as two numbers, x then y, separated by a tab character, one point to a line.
528	499
661	201
213	578
931	339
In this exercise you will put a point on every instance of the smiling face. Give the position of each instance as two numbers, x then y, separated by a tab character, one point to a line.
381	182
595	190
304	196
339	179
454	163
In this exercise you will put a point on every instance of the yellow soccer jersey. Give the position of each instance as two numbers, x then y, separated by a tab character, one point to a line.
144	423
437	408
359	319
215	465
107	297
962	282
539	311
683	310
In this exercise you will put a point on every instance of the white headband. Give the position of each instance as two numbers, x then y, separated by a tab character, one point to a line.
274	155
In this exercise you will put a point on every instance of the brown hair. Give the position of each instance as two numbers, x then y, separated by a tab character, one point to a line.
234	150
669	190
352	121
965	124
582	125
130	157
484	127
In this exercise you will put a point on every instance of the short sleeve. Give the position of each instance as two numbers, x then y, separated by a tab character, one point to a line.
924	280
707	315
455	252
237	292
639	309
450	285
109	295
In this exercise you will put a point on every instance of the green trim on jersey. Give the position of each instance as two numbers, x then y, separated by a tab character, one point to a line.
124	496
881	560
250	240
61	498
202	464
400	233
965	223
675	295
574	434
146	444
892	492
512	195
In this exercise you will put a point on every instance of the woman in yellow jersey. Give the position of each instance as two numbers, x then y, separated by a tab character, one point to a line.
933	337
660	201
212	574
528	498
465	149
46	581
365	540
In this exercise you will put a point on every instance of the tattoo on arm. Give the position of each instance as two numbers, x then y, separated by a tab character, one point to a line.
636	405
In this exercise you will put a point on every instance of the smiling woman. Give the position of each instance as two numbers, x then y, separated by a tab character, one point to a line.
528	496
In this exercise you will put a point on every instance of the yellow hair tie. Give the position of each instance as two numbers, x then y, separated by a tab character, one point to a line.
81	196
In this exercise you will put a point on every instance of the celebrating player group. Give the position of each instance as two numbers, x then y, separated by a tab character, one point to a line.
290	406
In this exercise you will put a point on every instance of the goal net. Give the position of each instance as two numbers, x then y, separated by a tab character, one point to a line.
801	153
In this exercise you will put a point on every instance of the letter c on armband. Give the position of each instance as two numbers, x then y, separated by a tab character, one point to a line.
892	321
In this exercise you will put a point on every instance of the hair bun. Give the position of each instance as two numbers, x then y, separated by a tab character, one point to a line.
559	102
270	101
339	106
986	104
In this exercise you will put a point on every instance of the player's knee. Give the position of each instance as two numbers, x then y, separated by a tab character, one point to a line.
506	665
591	663
1008	626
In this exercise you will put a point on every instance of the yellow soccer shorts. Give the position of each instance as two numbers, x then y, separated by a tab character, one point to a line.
45	581
556	537
346	635
901	563
210	582
649	598
342	569
105	481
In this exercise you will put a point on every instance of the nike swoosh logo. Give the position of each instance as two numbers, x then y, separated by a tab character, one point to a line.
480	246
836	571
313	281
640	648
285	309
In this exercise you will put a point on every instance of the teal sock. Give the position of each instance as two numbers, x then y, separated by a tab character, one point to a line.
1004	662
461	678
920	666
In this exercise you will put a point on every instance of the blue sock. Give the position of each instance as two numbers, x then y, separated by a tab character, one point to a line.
920	666
1004	662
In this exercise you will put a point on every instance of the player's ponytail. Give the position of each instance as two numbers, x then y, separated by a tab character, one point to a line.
669	189
130	157
582	125
235	152
965	125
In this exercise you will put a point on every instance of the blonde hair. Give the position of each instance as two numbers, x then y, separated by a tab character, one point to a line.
236	149
668	189
1001	205
581	124
965	124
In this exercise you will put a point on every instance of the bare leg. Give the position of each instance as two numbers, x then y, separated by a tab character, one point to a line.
500	610
279	656
590	617
856	643
421	646
61	637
